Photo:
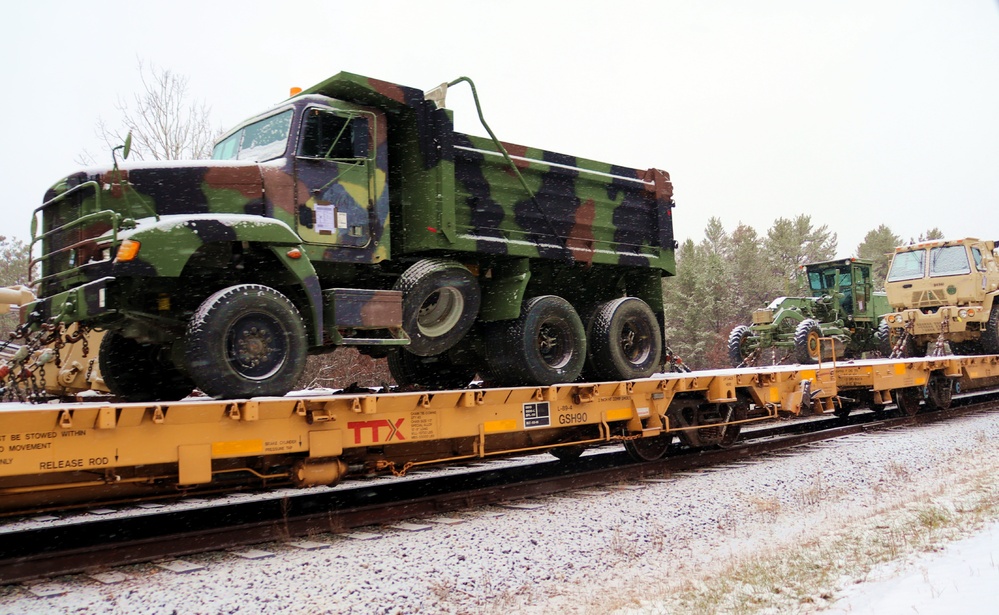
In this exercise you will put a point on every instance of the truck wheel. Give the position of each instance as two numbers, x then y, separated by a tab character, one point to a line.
246	341
440	302
807	347
888	337
436	372
134	371
545	345
739	341
624	340
990	336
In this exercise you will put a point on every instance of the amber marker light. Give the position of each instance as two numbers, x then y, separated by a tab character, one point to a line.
294	253
295	92
127	251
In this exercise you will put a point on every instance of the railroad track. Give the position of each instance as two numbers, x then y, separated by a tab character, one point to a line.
83	543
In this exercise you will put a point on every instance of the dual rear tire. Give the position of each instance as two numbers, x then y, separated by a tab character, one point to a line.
549	344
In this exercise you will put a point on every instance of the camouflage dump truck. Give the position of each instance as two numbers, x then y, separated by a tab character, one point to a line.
943	292
354	214
843	306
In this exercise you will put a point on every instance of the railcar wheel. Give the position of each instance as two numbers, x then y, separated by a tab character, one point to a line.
741	346
246	341
704	424
939	392
545	345
907	400
568	453
440	304
134	371
624	340
807	345
649	449
434	372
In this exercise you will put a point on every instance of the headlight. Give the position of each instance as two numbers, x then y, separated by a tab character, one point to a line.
963	313
127	251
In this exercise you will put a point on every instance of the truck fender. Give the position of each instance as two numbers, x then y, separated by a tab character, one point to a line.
503	290
305	273
168	244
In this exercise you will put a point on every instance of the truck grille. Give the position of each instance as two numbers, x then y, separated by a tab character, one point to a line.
63	235
927	298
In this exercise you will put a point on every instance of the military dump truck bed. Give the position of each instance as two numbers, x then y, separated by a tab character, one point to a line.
455	191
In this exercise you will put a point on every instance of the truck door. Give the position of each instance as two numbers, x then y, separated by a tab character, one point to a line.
334	169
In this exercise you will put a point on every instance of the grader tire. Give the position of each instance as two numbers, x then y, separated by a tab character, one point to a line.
807	345
737	340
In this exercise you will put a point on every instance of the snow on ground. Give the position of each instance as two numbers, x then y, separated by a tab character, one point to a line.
633	548
961	579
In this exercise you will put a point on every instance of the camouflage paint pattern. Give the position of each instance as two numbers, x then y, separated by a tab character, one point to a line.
589	230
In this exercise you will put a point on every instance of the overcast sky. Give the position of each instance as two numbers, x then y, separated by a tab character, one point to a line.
856	112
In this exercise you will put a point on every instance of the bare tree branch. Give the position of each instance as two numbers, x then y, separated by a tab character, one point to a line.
165	123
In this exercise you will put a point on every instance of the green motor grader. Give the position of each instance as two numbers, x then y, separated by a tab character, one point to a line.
840	318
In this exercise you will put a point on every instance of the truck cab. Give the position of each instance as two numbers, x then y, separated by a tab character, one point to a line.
946	288
848	283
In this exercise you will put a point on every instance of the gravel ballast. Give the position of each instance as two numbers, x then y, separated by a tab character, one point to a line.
623	547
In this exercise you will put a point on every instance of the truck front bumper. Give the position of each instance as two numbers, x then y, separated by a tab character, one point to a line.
85	302
951	318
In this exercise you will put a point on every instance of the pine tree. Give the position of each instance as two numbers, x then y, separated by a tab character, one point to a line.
878	246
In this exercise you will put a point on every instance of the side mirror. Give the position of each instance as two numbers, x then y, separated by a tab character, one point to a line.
128	145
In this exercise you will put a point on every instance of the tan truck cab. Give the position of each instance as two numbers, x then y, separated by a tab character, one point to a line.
946	287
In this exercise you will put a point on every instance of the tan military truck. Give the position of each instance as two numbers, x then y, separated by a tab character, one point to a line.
75	372
943	293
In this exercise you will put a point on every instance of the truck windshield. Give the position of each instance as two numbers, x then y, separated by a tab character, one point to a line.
949	260
258	141
907	266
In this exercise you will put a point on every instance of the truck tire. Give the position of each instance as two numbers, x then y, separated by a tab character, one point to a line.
440	302
990	336
247	340
888	337
545	345
807	347
737	342
436	372
134	371
624	340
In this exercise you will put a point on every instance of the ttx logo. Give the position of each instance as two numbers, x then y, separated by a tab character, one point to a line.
358	428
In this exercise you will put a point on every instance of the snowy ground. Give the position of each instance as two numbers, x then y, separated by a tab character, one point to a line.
961	579
684	544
